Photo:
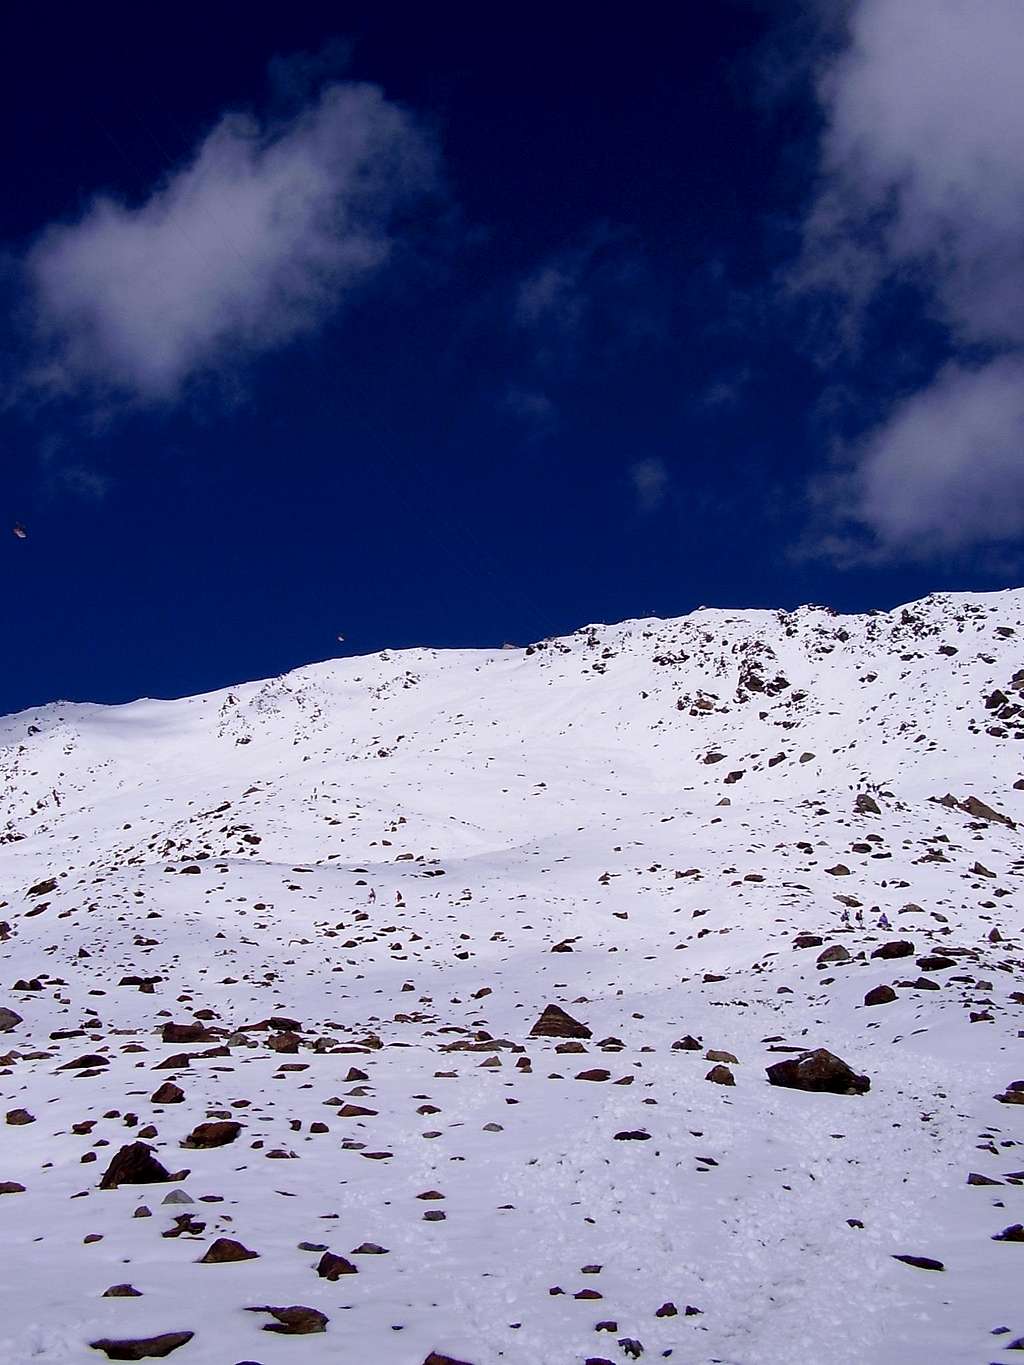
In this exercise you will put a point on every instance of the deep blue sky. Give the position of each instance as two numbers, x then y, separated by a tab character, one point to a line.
430	463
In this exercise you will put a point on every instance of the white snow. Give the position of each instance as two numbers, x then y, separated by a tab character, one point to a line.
498	803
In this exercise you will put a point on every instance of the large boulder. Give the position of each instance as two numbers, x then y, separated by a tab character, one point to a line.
555	1023
819	1070
897	947
135	1165
9	1019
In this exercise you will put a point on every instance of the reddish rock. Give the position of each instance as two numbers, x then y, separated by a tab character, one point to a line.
168	1093
216	1134
142	1348
819	1070
555	1023
136	1165
330	1266
297	1320
226	1249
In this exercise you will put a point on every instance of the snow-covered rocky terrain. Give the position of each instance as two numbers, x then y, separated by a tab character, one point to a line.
289	944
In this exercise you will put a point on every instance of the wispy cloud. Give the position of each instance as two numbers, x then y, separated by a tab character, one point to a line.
922	184
650	480
587	302
260	236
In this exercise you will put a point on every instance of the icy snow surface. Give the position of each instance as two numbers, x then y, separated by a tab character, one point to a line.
387	851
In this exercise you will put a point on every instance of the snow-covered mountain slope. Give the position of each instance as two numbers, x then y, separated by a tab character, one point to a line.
658	826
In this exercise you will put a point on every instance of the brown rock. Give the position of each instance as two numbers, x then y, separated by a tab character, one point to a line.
226	1249
819	1070
331	1266
135	1164
142	1348
216	1134
185	1033
298	1320
168	1093
881	995
555	1023
9	1019
721	1075
899	947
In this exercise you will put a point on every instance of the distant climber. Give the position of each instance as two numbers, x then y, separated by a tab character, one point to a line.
883	921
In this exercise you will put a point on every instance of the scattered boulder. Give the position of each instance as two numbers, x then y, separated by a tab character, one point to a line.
297	1320
186	1033
226	1249
9	1019
920	1262
168	1093
436	1358
720	1075
881	995
899	947
1014	1233
330	1266
555	1023
142	1348
135	1164
835	953
818	1070
215	1134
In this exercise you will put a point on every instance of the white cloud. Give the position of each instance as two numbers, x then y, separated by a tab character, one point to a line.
947	469
650	480
922	180
258	238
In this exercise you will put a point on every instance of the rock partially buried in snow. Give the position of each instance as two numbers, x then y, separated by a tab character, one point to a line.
881	995
9	1019
819	1070
142	1348
136	1165
555	1023
920	1262
720	1075
226	1249
436	1358
216	1134
297	1320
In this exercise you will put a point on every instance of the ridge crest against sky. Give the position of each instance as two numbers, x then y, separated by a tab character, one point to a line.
465	329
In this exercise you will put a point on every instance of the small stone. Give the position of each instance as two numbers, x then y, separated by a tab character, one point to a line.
122	1291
